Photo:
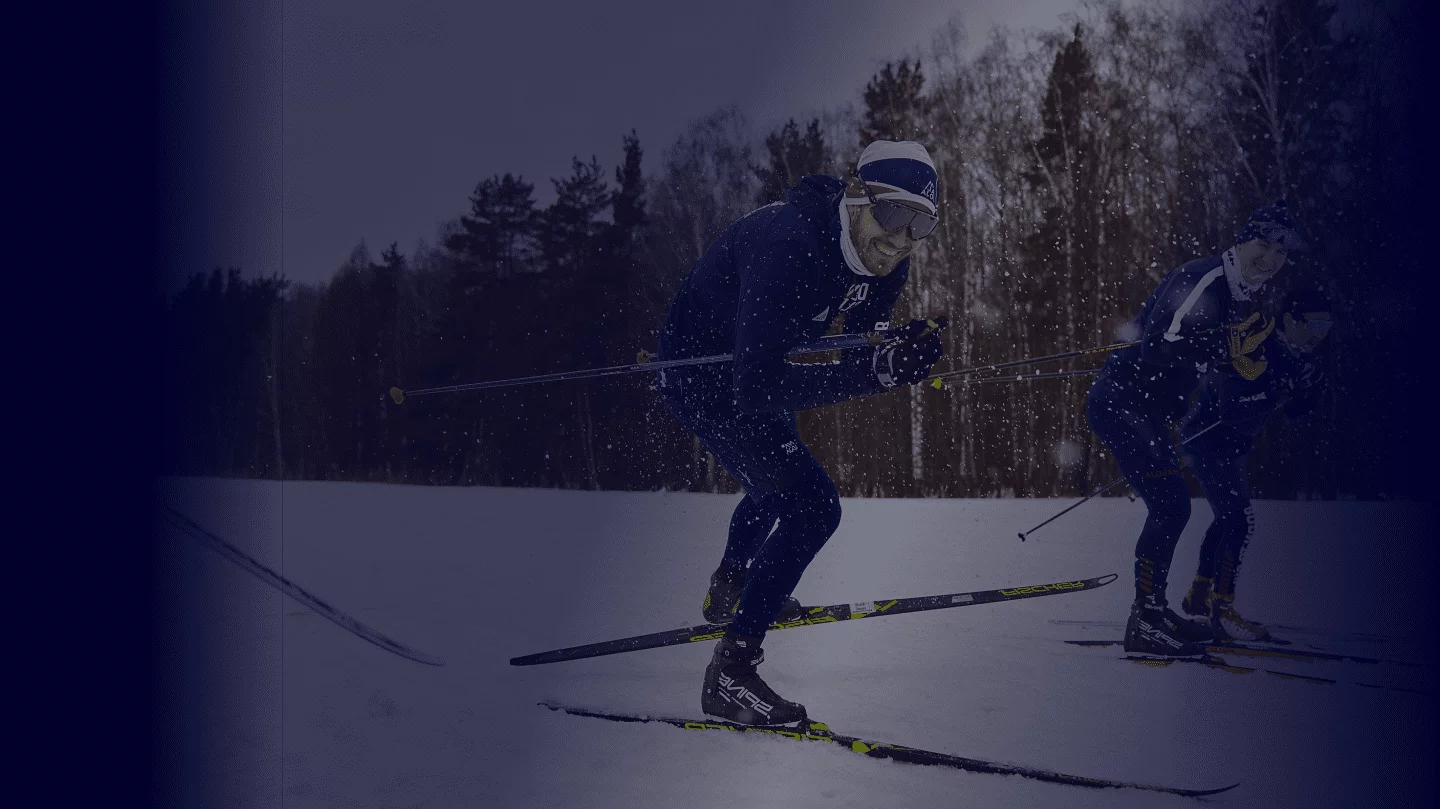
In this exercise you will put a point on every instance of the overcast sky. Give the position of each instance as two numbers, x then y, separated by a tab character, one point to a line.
392	111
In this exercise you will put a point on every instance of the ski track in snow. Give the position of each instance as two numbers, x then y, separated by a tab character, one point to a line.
288	709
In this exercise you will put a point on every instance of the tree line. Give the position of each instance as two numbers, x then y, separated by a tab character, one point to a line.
1077	167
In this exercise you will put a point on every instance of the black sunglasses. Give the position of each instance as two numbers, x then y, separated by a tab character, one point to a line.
892	215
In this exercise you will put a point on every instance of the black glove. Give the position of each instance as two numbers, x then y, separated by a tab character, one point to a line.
910	352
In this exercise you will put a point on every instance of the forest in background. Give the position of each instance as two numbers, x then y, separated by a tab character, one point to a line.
1077	166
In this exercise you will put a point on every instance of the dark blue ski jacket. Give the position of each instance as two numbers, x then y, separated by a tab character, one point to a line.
1182	332
773	280
1291	380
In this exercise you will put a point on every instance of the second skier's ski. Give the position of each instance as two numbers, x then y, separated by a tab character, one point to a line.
1260	650
1221	664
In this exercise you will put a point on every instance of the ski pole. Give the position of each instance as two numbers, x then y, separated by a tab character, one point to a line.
643	362
938	381
1028	377
1107	487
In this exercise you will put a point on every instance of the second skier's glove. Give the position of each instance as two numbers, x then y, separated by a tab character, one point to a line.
907	357
1244	342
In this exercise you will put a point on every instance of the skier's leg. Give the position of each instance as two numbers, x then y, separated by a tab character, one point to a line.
809	508
757	451
749	451
750	524
1229	491
1206	468
1142	447
1223	481
783	479
1238	516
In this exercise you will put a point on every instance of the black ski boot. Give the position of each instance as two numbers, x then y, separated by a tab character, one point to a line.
724	597
1155	629
735	692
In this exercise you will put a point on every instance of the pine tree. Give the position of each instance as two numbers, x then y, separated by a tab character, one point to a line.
792	156
628	204
896	107
571	226
496	238
1062	252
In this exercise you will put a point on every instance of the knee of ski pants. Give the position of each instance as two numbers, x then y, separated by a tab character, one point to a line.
1140	442
1235	523
808	498
1168	499
1107	419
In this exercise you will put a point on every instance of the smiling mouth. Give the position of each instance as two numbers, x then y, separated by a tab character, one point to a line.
886	250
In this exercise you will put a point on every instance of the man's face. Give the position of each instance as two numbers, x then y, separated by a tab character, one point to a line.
1307	332
1260	259
880	250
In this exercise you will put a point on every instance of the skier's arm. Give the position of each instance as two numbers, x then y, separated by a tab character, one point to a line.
1184	327
767	326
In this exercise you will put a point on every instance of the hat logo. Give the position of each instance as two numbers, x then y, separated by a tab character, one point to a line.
929	192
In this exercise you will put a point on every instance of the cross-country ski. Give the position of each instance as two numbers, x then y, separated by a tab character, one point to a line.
815	616
1259	650
820	732
1221	664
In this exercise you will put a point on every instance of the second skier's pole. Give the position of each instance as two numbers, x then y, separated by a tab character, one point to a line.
938	381
1107	487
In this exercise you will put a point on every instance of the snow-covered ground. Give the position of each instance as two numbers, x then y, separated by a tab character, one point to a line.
281	707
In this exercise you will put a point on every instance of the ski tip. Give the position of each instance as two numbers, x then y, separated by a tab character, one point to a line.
403	650
1197	793
398	395
567	709
1106	579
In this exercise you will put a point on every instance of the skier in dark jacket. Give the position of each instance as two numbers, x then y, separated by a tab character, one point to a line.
1219	432
1200	317
777	278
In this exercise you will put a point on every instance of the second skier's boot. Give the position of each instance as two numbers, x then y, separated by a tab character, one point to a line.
1155	629
723	598
734	691
1197	601
1228	624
